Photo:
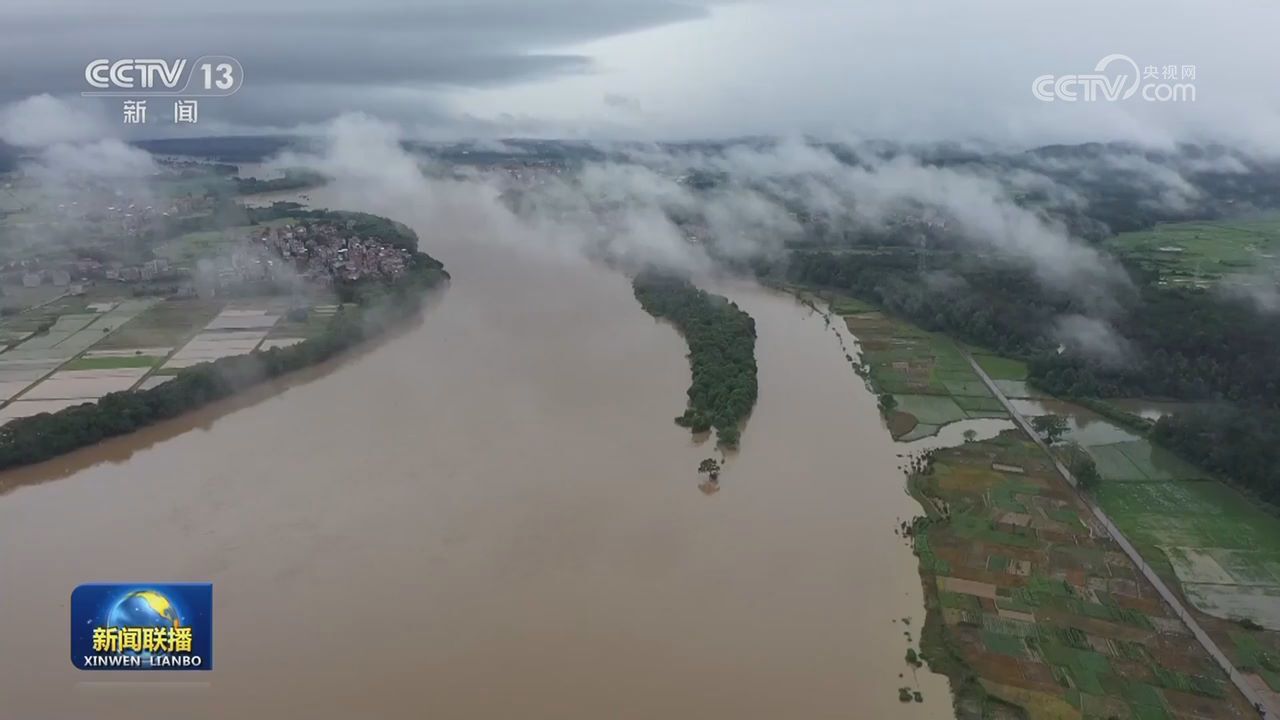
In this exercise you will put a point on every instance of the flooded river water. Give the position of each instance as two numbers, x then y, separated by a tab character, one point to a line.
492	515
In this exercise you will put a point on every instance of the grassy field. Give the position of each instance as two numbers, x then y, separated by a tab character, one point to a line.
186	249
1001	368
1039	611
1203	252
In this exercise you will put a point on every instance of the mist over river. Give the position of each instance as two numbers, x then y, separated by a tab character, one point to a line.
492	515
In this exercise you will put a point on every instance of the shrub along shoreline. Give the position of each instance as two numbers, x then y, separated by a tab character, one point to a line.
378	307
722	344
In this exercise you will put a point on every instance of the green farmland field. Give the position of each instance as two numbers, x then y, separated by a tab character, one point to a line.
1202	252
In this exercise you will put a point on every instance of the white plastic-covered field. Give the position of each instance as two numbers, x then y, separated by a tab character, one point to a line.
85	384
27	408
208	346
242	319
234	331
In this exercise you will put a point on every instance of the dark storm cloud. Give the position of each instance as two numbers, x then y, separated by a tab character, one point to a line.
390	53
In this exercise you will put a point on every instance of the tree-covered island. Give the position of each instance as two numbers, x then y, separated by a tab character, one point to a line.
722	341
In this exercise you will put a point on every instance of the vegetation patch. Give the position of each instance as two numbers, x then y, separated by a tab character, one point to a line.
722	341
1002	368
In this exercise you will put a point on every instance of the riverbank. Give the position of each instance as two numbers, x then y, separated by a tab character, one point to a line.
1028	605
370	307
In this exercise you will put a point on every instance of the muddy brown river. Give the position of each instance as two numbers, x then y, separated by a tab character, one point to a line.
492	515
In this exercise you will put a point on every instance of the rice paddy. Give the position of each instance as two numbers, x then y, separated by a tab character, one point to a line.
932	383
1041	608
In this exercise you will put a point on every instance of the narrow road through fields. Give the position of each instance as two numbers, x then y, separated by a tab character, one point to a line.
1241	682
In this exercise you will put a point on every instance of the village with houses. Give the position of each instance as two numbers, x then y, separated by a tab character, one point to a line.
112	294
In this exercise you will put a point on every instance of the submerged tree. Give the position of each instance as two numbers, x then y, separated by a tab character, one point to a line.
888	403
1050	427
710	468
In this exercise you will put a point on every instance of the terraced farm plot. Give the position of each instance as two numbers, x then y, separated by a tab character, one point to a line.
84	384
233	331
931	409
243	319
63	328
16	374
1047	613
977	405
113	362
164	324
1113	464
209	346
1156	463
927	374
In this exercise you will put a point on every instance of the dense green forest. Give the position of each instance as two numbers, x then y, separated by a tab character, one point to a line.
1187	344
380	307
722	342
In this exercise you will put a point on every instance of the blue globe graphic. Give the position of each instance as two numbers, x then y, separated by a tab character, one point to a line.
144	608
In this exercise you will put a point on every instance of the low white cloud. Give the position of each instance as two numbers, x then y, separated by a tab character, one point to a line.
43	120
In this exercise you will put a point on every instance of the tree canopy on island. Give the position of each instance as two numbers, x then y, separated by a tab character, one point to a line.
722	341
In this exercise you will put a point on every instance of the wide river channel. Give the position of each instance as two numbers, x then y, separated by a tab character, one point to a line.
492	515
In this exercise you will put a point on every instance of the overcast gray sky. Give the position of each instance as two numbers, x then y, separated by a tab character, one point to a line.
673	69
